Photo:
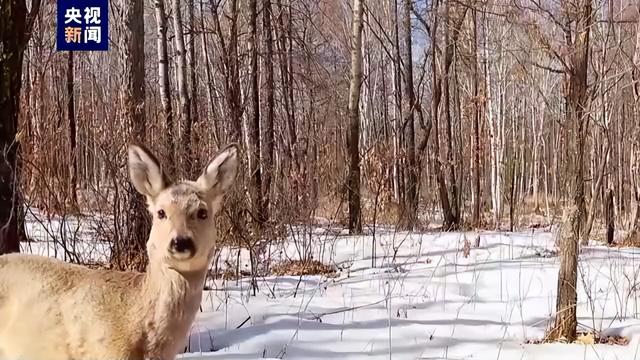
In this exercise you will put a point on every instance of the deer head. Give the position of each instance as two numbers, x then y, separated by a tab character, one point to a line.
183	234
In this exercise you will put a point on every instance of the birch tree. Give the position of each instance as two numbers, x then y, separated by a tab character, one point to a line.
163	79
475	217
635	154
496	130
193	79
183	93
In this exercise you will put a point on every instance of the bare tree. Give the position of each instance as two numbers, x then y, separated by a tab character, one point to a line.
269	142
495	122
475	217
231	66
609	215
193	77
355	220
16	25
448	193
71	117
130	245
635	154
255	158
163	80
451	39
410	215
449	220
579	20
183	93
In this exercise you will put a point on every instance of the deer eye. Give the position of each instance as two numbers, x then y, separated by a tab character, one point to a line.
202	214
161	214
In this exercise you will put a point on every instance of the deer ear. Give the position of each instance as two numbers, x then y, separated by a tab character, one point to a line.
221	172
145	171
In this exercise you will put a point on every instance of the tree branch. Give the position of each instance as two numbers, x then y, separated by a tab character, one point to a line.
548	68
31	19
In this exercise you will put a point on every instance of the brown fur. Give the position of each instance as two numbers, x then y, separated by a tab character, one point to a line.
50	309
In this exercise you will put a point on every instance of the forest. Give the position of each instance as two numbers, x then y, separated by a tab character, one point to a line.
366	115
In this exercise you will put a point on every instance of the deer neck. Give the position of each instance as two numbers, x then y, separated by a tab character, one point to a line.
170	301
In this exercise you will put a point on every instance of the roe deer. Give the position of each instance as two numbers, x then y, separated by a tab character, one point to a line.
50	309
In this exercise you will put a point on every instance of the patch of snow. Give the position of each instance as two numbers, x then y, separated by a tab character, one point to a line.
423	300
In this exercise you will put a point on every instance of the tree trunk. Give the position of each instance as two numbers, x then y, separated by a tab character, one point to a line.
495	140
230	63
15	30
448	220
235	96
566	321
512	181
410	215
609	216
163	83
635	153
586	233
355	220
211	114
287	93
450	207
254	122
71	117
537	129
131	245
398	177
12	22
193	78
183	94
446	83
269	143
476	128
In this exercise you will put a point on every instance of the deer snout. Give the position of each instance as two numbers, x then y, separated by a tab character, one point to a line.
182	245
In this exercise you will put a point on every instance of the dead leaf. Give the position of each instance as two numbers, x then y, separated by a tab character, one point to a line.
466	249
586	339
19	136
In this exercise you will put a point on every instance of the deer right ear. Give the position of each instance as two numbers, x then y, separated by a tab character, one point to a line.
221	172
145	171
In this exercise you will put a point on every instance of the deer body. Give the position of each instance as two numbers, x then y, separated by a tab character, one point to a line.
50	309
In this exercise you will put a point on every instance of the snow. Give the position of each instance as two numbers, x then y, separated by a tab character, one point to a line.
64	237
428	301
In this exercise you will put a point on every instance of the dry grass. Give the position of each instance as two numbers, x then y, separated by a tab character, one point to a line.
386	213
631	239
330	208
228	274
299	268
527	216
586	338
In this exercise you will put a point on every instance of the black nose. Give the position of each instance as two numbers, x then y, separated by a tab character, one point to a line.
182	244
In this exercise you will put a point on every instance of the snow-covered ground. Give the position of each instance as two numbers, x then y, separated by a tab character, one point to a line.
428	301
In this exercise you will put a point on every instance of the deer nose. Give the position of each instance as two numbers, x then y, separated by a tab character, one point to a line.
182	244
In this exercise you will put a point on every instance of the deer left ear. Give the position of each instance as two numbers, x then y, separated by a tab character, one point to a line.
145	171
221	172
